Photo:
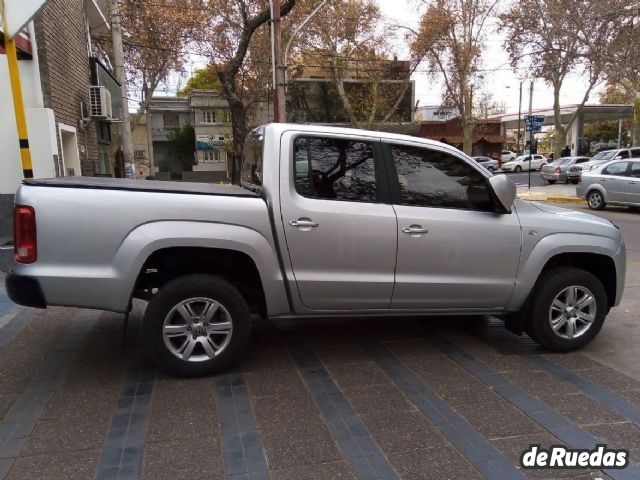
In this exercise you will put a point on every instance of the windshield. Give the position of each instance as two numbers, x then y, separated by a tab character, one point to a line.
251	172
602	156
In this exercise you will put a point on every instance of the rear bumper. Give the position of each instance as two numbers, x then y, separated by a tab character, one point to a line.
24	291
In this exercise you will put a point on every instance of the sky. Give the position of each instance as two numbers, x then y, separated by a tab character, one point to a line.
501	81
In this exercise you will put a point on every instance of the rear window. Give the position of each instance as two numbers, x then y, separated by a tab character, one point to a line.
251	173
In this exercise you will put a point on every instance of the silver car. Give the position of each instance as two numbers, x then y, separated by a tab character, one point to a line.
488	163
575	171
616	183
557	170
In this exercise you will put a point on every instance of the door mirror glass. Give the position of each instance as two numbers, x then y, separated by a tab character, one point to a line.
505	191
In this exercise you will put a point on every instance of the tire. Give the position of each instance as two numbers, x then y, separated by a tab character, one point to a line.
210	349
574	182
518	169
554	285
595	200
491	169
551	182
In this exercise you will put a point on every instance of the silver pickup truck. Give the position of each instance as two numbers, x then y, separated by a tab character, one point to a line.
328	222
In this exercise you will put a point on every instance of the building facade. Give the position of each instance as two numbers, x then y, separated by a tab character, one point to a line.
207	157
487	138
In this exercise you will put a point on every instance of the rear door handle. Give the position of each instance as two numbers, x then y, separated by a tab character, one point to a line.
415	230
303	222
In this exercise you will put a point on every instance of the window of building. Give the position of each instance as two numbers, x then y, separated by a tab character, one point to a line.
139	155
208	116
171	120
211	156
430	178
334	169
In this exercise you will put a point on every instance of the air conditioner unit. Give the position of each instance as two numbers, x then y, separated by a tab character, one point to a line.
100	99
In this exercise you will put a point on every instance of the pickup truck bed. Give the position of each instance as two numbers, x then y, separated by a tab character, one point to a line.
105	183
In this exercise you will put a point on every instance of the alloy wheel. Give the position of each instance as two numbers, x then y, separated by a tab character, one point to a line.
572	312
197	329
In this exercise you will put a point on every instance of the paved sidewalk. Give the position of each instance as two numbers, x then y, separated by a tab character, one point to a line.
550	193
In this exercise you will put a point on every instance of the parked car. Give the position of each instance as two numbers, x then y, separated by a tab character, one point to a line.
328	222
616	183
525	162
487	162
574	172
556	171
508	155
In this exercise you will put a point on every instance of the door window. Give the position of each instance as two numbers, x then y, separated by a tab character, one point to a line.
431	178
334	169
635	153
635	169
623	154
618	168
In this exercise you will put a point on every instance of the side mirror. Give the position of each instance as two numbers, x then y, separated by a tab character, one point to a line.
504	189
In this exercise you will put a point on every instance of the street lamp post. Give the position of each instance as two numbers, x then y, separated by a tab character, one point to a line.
519	115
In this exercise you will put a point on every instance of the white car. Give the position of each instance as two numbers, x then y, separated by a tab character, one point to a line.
507	156
523	163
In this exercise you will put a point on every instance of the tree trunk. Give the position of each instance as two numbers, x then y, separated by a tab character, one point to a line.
560	135
467	137
238	123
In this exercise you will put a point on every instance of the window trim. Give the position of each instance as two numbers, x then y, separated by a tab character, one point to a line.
627	171
394	181
382	182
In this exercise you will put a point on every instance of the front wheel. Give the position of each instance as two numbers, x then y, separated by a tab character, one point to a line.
518	169
196	325
595	200
567	309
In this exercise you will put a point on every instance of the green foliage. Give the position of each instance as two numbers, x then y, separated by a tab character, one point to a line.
183	140
203	78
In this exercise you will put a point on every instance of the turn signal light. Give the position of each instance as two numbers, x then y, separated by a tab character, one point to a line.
24	234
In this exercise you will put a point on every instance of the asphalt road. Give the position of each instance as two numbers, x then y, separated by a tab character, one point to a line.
523	178
399	398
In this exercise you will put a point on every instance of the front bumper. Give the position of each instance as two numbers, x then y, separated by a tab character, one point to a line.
24	291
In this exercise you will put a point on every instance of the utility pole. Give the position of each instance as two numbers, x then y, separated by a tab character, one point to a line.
118	58
18	101
530	130
519	115
279	113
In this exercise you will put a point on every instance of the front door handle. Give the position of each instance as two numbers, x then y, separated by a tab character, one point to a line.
303	222
415	230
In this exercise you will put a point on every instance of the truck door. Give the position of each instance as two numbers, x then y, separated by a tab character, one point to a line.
454	250
340	235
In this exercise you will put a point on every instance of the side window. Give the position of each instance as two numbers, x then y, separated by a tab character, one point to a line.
623	154
635	169
334	169
635	153
430	178
618	168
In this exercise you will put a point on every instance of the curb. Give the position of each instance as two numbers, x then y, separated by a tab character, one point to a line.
552	198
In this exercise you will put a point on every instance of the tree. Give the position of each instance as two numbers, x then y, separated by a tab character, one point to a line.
226	40
554	38
451	39
203	78
347	42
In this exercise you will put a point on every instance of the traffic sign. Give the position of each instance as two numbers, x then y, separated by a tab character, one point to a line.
534	119
533	128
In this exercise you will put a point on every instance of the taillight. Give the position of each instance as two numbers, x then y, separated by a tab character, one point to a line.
557	170
24	234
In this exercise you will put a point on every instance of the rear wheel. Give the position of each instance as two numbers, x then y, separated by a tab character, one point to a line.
196	325
567	310
551	182
518	169
595	200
